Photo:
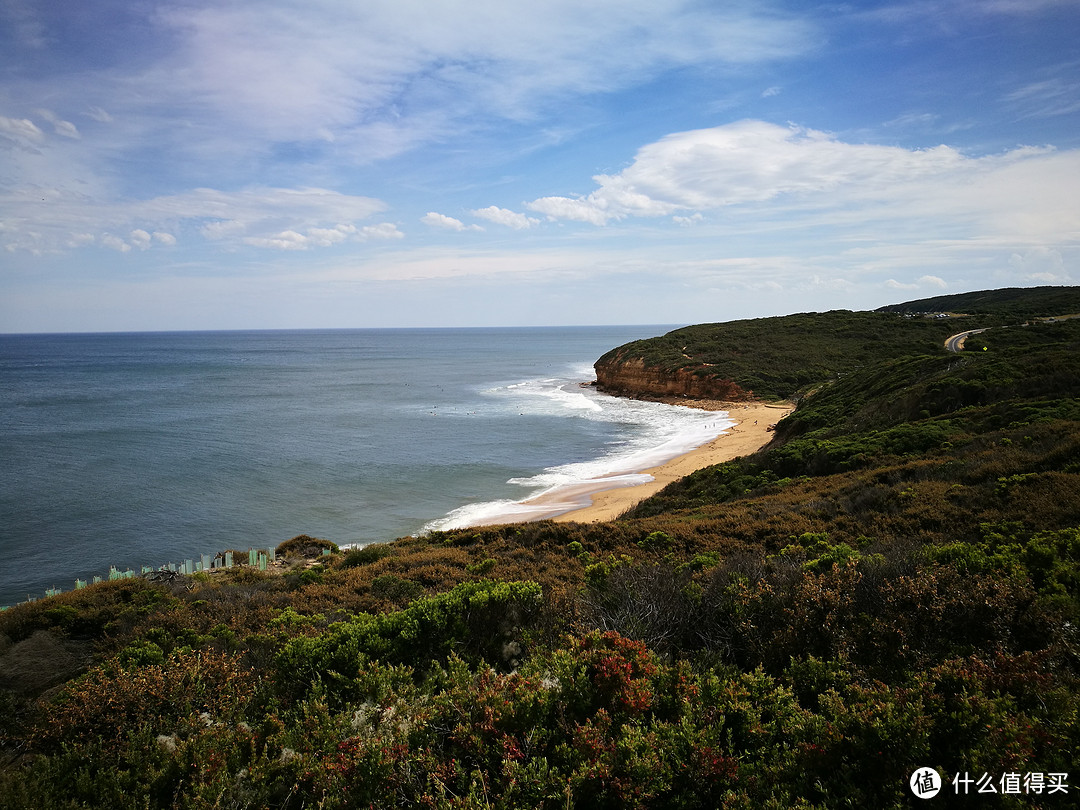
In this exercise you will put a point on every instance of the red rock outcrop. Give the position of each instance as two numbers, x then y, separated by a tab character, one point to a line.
630	377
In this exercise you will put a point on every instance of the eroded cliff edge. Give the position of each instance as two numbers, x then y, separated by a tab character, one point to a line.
624	374
779	358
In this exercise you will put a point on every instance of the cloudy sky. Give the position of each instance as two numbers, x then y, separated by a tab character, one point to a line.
201	164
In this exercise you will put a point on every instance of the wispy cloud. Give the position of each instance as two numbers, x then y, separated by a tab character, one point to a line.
1051	97
950	12
351	71
222	89
20	132
283	219
60	126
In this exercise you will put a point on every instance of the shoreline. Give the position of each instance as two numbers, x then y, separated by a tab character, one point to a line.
604	499
750	433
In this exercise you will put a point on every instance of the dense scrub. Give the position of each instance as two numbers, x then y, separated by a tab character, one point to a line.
893	583
777	358
782	357
1010	304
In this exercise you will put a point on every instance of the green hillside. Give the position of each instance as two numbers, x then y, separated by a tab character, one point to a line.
1009	303
892	583
777	358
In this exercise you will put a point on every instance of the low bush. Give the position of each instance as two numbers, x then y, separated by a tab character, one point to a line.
304	546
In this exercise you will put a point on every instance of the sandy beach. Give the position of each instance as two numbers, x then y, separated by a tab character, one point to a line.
749	435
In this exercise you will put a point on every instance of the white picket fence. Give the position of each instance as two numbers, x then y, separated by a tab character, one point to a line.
257	558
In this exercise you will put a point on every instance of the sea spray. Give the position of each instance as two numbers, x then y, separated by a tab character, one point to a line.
653	433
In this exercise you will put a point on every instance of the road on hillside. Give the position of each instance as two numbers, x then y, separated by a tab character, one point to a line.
956	342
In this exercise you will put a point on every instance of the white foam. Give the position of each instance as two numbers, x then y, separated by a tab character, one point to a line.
657	433
546	504
536	396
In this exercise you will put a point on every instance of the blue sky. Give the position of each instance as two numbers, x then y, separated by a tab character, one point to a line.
198	164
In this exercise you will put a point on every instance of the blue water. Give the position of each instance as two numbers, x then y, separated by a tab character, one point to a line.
141	449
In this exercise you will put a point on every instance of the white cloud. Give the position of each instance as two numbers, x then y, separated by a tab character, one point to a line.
20	130
769	92
693	219
802	177
115	242
1041	264
893	284
419	264
747	162
291	71
286	240
436	220
504	216
590	210
282	218
384	230
922	281
78	240
143	240
324	237
139	238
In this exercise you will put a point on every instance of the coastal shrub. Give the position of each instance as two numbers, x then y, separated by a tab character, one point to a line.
484	566
475	620
435	568
114	605
395	589
247	575
366	556
304	546
653	604
598	721
141	652
701	562
655	541
112	700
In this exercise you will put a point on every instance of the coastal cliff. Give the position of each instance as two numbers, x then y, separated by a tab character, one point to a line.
780	358
629	376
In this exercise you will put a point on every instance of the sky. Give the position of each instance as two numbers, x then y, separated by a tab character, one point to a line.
250	164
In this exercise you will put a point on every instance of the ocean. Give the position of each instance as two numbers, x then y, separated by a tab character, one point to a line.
134	450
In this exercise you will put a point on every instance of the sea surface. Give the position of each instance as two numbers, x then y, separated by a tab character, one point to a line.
133	450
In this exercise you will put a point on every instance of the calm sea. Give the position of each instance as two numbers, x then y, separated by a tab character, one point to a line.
144	449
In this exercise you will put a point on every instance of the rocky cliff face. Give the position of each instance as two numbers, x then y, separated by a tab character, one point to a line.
630	377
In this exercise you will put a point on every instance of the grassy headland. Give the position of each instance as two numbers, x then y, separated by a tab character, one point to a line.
893	582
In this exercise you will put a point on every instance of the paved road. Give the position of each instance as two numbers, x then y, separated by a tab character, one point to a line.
956	342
